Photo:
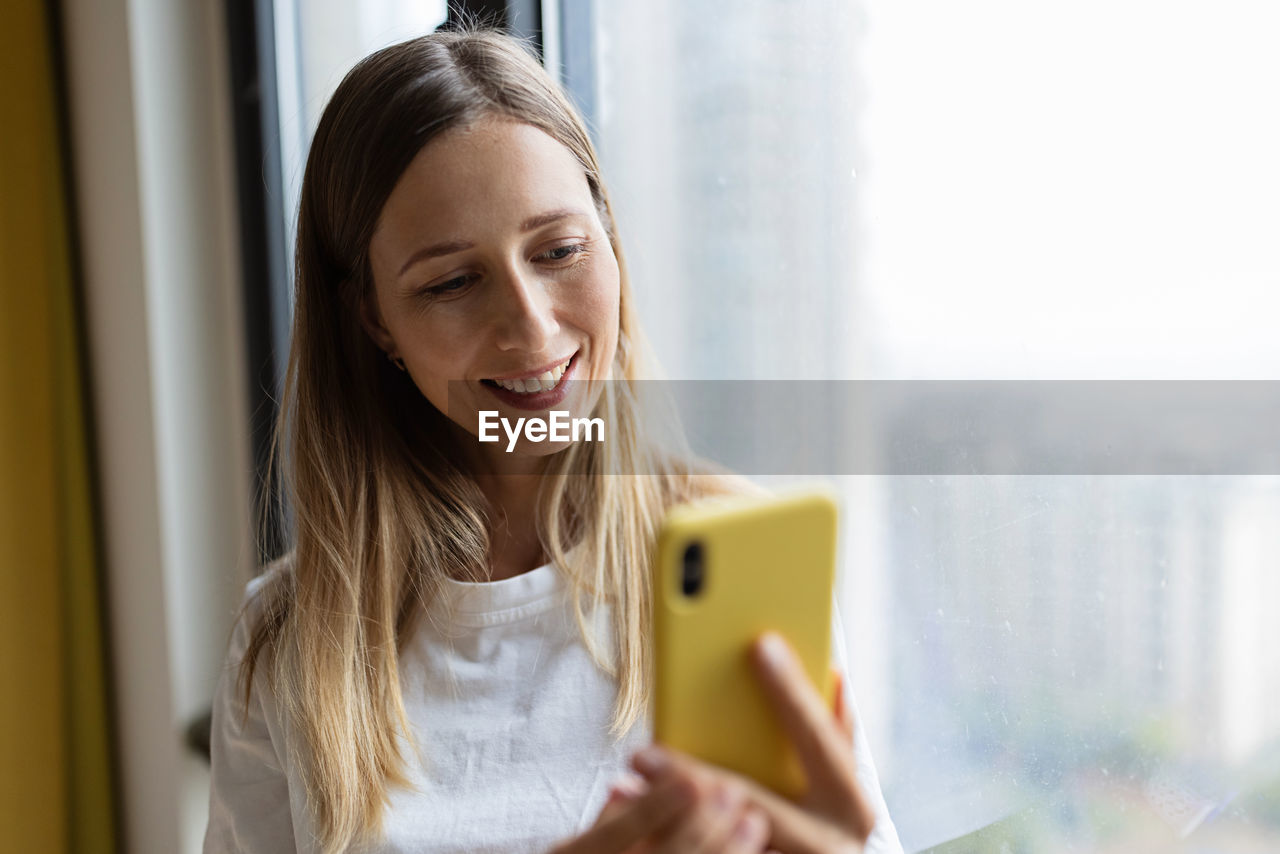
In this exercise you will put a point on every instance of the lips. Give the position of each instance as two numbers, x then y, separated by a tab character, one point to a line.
539	397
535	381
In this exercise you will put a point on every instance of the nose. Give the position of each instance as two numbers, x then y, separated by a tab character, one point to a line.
525	312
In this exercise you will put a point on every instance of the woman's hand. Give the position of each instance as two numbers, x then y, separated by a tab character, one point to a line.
691	812
833	815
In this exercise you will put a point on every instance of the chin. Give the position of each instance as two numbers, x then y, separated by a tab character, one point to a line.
538	449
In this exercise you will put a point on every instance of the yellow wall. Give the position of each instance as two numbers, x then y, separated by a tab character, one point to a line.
55	771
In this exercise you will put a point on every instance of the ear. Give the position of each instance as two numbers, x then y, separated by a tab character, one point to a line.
371	320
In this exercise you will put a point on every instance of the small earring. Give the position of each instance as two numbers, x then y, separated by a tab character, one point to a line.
397	361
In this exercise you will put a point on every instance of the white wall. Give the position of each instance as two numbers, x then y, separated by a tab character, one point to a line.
150	123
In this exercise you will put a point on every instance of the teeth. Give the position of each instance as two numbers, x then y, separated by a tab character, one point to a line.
546	382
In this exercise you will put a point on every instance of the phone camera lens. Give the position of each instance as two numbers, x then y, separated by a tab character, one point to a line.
693	570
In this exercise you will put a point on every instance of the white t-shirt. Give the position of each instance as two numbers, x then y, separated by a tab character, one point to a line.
512	716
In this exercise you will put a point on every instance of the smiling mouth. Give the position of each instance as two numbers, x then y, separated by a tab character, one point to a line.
545	381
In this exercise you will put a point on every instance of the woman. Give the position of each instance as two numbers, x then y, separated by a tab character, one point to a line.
453	657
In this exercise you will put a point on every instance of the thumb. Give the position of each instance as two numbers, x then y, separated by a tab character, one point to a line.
840	706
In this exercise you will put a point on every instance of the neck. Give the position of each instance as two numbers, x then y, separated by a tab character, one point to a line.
510	484
514	547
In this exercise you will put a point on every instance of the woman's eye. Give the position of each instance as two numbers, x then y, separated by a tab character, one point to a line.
564	253
559	254
449	287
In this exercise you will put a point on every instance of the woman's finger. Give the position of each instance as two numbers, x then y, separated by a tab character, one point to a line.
621	793
824	753
792	828
627	823
716	821
749	833
843	714
825	746
708	826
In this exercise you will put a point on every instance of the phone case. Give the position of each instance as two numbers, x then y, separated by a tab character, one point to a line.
769	563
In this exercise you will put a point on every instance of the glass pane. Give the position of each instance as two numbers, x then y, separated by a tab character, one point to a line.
728	140
994	190
317	43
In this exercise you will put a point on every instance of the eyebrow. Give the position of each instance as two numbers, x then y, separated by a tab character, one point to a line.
449	247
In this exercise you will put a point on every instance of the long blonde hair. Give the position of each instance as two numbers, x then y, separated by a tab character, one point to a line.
381	509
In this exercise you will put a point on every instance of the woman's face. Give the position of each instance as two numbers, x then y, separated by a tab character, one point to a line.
494	279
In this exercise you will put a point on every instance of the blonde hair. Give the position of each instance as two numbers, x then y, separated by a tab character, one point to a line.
381	509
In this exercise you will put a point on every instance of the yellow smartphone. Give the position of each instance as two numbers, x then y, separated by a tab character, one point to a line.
726	571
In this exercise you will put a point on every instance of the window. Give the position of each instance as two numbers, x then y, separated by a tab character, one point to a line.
899	191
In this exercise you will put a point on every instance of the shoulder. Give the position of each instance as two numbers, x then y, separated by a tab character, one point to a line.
265	601
708	480
249	781
275	581
267	591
